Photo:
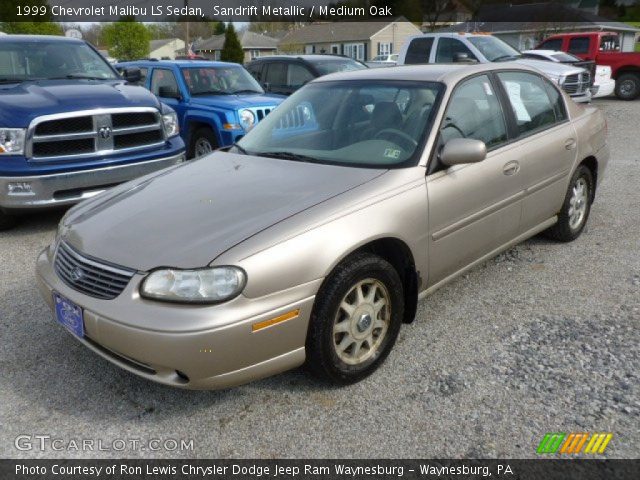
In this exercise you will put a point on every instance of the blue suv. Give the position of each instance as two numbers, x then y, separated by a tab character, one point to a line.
217	102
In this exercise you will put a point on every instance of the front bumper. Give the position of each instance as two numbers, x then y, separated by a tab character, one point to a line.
194	347
60	189
582	97
604	89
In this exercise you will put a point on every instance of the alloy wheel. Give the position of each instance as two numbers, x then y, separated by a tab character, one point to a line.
578	203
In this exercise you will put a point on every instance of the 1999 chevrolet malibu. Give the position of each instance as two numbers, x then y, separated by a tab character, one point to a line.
311	240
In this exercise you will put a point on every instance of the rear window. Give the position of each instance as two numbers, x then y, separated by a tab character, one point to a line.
419	51
609	43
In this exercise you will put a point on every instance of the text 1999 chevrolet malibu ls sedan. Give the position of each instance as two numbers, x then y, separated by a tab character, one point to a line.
313	238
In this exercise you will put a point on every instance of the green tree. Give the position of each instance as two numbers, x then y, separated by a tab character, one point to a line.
220	28
127	39
31	28
231	50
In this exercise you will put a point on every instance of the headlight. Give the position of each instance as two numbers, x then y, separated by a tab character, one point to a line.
170	123
12	141
206	285
247	119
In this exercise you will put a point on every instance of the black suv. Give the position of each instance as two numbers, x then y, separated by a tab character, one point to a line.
284	74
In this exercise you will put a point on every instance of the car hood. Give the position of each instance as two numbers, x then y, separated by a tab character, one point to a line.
21	103
549	67
235	102
187	216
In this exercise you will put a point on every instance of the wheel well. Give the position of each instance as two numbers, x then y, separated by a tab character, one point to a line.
195	125
628	69
399	255
592	164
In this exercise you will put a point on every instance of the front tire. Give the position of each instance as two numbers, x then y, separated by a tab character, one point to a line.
355	320
628	86
576	207
203	142
7	221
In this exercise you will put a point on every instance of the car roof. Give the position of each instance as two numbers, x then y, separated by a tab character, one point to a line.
180	63
579	34
309	57
445	73
39	38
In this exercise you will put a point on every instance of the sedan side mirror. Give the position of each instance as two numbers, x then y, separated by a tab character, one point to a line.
458	151
132	74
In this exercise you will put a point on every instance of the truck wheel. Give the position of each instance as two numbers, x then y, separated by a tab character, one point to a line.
203	142
628	86
355	320
7	221
576	207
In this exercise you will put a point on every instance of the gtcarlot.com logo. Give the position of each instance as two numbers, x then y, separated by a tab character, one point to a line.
47	442
573	443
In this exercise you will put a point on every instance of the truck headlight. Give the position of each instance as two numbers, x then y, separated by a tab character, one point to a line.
12	141
170	124
247	119
205	285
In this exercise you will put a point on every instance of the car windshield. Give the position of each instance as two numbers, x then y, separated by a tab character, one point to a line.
373	123
27	60
494	49
227	80
334	65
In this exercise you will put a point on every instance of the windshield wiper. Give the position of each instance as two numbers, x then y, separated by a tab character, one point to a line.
210	92
11	80
240	149
288	156
505	57
244	91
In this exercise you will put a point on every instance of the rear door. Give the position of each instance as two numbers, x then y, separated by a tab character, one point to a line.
547	141
275	77
473	208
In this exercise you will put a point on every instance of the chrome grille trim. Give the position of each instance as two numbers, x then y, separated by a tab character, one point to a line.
143	119
90	276
578	83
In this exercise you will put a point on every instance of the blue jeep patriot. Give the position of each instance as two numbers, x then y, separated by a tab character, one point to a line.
71	126
216	102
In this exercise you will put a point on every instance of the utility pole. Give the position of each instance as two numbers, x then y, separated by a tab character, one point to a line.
186	31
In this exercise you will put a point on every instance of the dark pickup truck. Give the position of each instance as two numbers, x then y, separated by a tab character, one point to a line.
603	48
71	126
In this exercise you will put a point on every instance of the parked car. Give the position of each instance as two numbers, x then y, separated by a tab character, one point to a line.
603	84
71	126
389	60
217	102
284	74
311	240
604	49
483	48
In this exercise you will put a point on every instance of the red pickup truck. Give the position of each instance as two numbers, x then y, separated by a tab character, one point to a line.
604	49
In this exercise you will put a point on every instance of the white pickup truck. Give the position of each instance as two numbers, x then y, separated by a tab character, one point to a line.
483	48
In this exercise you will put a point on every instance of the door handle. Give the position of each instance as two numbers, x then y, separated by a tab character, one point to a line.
570	144
511	168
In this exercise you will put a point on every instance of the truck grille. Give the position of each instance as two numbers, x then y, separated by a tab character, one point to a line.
91	277
263	112
101	132
577	84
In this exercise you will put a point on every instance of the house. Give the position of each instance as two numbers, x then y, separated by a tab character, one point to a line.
359	40
253	44
524	26
165	48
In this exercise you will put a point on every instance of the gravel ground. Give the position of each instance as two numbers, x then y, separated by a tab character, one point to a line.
544	338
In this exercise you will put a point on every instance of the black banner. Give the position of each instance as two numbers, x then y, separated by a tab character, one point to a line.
547	469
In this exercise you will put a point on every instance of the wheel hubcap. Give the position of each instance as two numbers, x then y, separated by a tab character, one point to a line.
627	87
578	203
362	321
203	147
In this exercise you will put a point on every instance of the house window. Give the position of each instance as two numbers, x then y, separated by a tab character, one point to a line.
354	50
255	54
385	48
335	49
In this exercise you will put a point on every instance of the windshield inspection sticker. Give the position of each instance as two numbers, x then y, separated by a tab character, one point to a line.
513	90
392	153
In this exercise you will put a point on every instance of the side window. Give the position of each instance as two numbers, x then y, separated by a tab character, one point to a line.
559	108
448	48
276	73
474	111
298	75
419	51
553	44
529	98
609	43
163	83
579	45
256	70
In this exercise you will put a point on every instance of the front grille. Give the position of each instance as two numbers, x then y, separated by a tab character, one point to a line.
577	84
262	112
100	133
91	277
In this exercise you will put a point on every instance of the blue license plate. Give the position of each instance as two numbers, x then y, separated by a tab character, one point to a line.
69	315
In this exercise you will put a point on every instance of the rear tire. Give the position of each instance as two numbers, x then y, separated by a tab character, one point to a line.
628	86
355	320
203	142
7	221
576	207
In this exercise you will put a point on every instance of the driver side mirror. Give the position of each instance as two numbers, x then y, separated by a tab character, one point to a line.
168	92
460	57
132	74
458	151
